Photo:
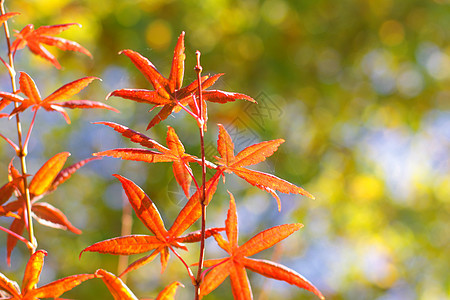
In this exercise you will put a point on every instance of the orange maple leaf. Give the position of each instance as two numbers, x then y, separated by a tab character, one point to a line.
29	89
168	92
120	291
175	153
46	180
5	17
236	264
31	278
34	39
163	239
251	155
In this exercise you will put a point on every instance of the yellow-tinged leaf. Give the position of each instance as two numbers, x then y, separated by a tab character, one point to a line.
118	289
44	177
225	245
231	224
168	293
33	271
28	87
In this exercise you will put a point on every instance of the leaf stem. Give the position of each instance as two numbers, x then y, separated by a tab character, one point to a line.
191	275
21	153
25	144
19	237
198	69
16	148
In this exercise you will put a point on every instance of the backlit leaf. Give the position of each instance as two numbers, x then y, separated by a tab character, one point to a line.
251	155
118	289
169	92
144	207
44	177
6	16
60	286
34	39
33	271
125	245
235	265
276	271
168	293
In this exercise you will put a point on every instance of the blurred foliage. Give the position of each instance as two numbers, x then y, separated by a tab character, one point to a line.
359	90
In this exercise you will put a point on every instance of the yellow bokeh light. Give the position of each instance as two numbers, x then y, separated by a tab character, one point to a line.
391	33
158	35
365	187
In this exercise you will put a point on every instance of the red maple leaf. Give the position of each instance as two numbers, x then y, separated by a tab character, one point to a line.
230	163
34	39
163	239
236	264
169	93
46	180
29	89
33	270
175	153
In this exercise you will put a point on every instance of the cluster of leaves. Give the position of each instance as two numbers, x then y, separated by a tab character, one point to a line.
172	97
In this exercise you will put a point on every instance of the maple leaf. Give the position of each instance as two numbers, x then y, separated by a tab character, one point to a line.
120	291
251	155
5	17
34	39
46	180
236	264
175	153
29	89
169	93
163	239
33	270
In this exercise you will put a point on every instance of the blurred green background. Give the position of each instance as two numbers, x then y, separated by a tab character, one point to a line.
358	89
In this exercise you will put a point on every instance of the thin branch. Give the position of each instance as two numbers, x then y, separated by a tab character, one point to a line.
198	69
17	236
16	148
22	152
191	275
25	145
